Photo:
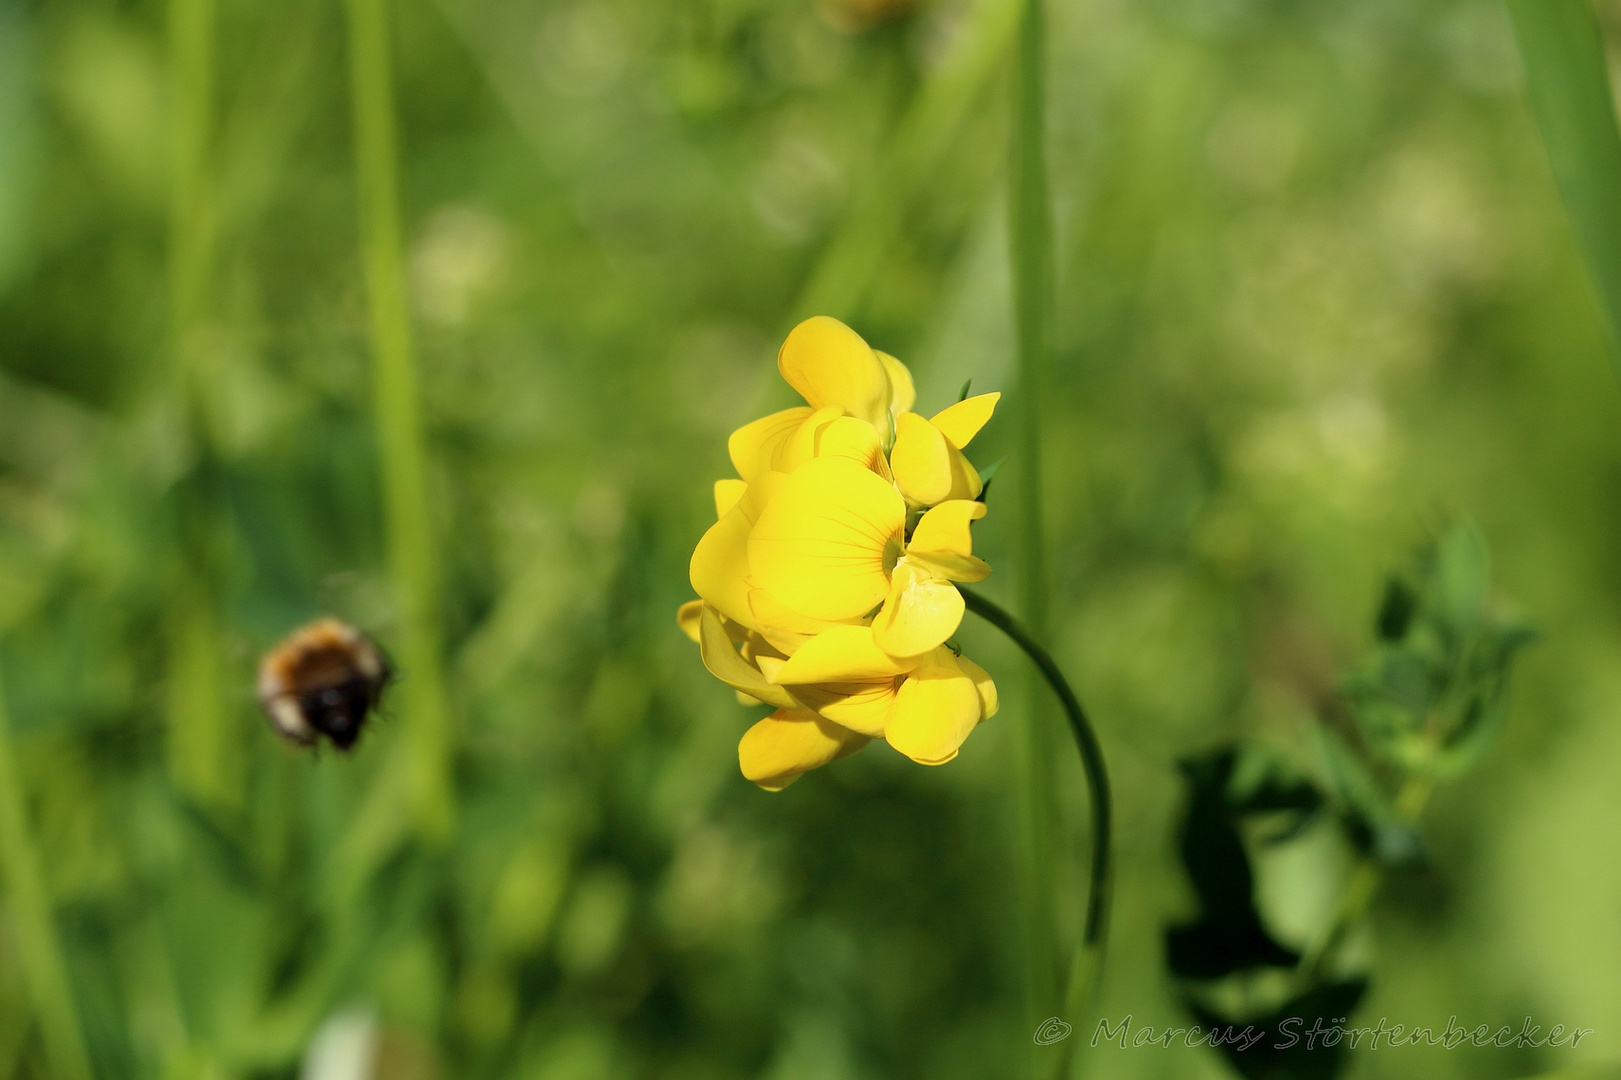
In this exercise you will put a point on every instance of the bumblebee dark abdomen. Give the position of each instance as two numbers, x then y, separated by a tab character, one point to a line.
324	679
339	711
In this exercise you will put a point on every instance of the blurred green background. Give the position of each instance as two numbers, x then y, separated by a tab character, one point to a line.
1317	298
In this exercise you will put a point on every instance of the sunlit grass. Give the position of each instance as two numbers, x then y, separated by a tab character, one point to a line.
413	559
1311	290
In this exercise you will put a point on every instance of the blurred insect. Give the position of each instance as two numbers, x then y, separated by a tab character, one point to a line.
322	679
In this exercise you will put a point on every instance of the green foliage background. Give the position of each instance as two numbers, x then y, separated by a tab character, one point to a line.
1316	298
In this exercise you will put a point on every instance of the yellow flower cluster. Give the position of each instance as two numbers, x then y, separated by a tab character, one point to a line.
826	583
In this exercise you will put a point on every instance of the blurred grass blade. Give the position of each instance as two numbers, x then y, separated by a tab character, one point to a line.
30	911
191	26
1030	232
200	737
1029	227
17	140
864	235
413	562
200	740
1568	84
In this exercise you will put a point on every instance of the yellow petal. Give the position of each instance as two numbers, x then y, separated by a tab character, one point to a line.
935	709
727	493
688	617
827	539
769	666
921	612
962	421
761	490
848	437
779	749
779	624
719	569
862	706
800	446
757	648
840	654
928	469
902	393
753	445
829	364
965	481
726	664
989	703
942	543
720	565
920	460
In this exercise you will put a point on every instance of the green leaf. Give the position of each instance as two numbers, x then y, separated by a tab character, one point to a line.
1463	573
1567	82
962	395
1352	781
1396	610
1482	712
987	474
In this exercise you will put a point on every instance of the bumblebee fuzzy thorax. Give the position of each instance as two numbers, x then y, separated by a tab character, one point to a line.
322	679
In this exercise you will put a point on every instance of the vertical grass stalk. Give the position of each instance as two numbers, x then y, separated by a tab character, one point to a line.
412	555
1030	223
867	231
191	109
33	925
1567	82
200	740
1030	233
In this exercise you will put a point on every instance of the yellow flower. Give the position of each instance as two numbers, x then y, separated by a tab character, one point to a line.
826	583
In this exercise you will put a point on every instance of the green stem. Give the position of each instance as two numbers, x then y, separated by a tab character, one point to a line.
1030	233
200	737
1358	893
41	952
413	559
1095	930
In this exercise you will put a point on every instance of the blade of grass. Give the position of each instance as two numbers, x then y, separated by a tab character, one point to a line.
191	26
412	555
17	139
1568	84
24	892
1030	225
868	228
199	744
200	741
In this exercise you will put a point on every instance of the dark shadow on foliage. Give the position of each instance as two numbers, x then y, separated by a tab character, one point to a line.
1275	1056
1228	937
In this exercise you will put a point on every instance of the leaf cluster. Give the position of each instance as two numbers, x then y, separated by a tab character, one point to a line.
1434	692
1421	707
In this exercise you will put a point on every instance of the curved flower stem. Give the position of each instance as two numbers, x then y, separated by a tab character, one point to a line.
1095	931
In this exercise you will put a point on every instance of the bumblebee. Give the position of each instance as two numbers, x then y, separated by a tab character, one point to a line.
322	679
